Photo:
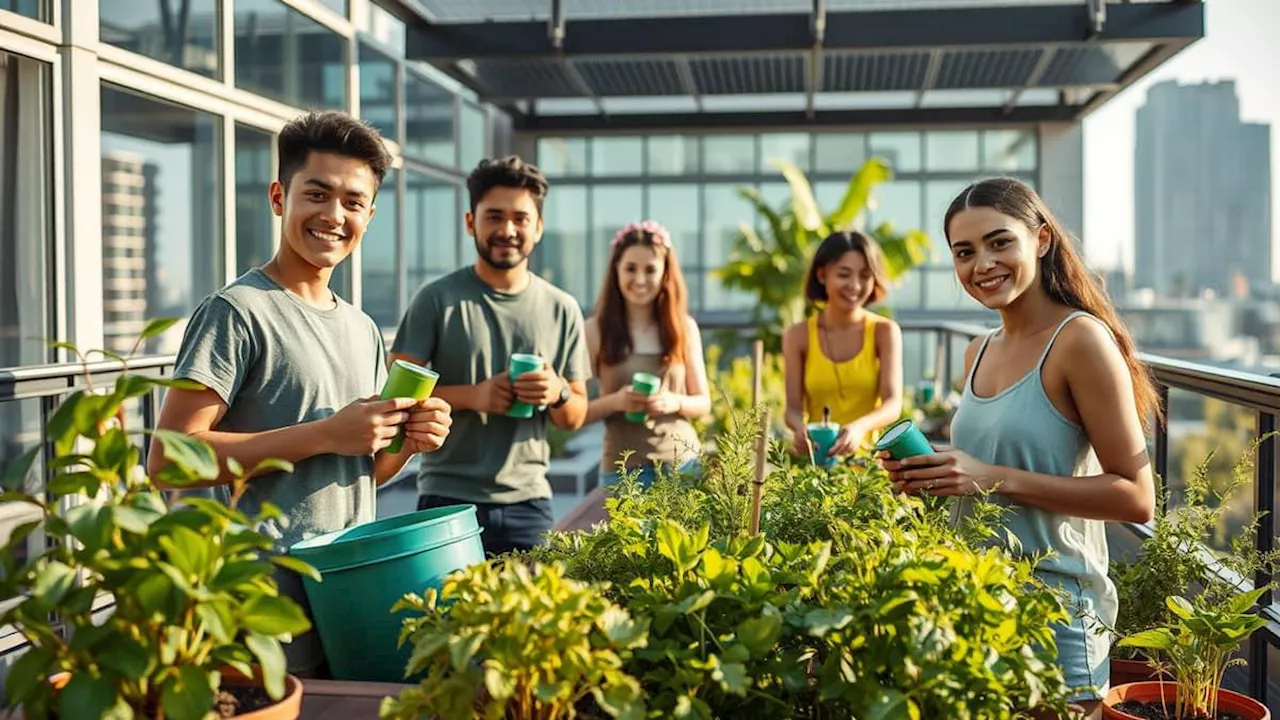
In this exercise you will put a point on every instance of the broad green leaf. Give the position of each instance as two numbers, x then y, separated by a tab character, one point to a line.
236	573
125	656
1179	606
218	621
499	683
178	384
129	386
88	696
19	534
72	483
1157	639
188	694
88	414
760	633
273	616
271	658
891	705
733	677
1245	601
802	203
158	326
154	593
463	648
111	450
91	525
872	173
188	550
271	465
821	621
15	475
190	453
299	566
52	582
234	467
61	426
27	673
132	519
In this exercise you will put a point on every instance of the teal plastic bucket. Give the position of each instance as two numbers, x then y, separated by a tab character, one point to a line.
367	569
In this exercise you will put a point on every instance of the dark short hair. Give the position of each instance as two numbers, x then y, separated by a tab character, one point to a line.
509	171
334	132
832	249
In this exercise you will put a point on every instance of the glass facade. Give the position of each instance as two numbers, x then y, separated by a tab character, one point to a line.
692	185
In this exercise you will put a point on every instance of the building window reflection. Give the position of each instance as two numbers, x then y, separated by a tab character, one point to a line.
428	120
34	9
433	229
288	56
162	250
378	91
182	33
255	223
379	279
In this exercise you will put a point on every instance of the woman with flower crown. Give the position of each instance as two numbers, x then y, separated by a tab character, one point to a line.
642	325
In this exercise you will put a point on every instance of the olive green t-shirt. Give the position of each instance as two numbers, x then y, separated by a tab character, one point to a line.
467	331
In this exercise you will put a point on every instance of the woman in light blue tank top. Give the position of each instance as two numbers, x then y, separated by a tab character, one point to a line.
1052	419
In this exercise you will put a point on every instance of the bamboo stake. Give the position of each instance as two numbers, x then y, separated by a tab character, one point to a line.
757	488
757	370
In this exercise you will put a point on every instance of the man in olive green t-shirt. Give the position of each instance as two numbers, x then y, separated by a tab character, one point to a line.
466	326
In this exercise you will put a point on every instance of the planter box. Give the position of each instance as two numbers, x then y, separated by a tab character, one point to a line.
344	699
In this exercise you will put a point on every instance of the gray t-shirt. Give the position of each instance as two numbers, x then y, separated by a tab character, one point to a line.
276	362
467	331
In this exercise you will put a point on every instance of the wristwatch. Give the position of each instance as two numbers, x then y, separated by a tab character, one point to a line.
565	394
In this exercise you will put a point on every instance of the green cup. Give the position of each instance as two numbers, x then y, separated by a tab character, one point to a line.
926	392
519	364
903	440
408	380
822	436
643	382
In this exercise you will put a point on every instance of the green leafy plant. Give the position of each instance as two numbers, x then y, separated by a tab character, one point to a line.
772	266
1198	644
192	584
504	640
730	381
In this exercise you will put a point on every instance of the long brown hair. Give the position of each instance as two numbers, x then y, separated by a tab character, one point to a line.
669	307
1062	272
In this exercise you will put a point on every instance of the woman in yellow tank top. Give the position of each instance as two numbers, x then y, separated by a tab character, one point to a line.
844	358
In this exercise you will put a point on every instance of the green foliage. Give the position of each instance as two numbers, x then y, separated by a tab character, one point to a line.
509	641
772	267
1175	560
731	383
1197	645
192	584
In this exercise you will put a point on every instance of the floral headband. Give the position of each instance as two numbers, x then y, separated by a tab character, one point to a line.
659	233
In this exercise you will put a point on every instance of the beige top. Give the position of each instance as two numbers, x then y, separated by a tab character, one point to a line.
669	439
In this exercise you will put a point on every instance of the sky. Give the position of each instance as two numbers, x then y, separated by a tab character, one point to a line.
1240	44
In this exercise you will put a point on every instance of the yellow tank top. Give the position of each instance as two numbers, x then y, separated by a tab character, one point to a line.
851	388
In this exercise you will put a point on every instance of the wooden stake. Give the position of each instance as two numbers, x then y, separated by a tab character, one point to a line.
757	488
757	370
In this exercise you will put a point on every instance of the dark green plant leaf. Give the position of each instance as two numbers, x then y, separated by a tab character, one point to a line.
271	465
299	566
15	475
111	450
274	616
132	519
52	582
86	696
88	413
178	384
127	657
61	425
271	658
892	705
154	593
188	694
130	386
188	550
218	621
238	572
71	483
91	525
27	673
190	453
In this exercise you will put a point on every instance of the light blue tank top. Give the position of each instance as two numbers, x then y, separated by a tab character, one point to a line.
1021	428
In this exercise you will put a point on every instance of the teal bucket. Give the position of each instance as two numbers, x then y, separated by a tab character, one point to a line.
367	569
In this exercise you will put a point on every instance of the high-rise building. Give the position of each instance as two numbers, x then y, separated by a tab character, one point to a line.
1202	192
128	281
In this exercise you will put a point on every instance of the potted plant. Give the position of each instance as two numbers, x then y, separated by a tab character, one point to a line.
197	622
1175	561
1197	646
521	642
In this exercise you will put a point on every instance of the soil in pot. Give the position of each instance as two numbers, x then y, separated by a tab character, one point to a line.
1156	711
236	700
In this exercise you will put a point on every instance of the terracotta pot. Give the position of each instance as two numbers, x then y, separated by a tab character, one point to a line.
288	707
1125	671
1232	702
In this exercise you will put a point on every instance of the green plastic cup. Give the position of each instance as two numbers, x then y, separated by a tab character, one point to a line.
903	440
822	436
643	382
926	392
408	380
519	364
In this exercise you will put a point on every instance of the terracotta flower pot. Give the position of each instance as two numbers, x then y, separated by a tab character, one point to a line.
1232	702
1125	671
288	707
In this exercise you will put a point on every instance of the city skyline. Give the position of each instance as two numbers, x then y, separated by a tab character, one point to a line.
1238	45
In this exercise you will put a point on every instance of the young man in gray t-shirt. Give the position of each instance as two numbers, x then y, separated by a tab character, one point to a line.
467	325
292	371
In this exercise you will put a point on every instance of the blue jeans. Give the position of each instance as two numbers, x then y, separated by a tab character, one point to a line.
506	527
647	474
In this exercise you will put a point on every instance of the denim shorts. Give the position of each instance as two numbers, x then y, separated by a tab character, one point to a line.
647	474
1083	654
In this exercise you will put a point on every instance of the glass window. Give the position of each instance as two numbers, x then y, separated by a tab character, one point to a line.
560	157
952	151
725	209
1008	150
255	223
908	294
901	150
617	156
841	153
790	147
673	154
943	291
382	25
729	154
428	121
184	35
378	91
612	206
26	198
676	207
338	6
34	9
473	136
289	57
162	249
828	194
563	252
379	278
897	202
433	232
938	195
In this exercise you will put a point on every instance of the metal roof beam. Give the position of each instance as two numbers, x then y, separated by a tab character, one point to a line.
989	27
813	78
930	75
685	70
1033	77
981	117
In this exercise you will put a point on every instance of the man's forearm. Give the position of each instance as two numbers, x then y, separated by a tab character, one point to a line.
573	414
292	444
387	465
459	397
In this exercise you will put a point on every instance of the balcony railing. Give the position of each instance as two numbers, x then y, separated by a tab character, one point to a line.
1260	395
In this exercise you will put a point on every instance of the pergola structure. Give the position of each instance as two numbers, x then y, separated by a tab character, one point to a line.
637	65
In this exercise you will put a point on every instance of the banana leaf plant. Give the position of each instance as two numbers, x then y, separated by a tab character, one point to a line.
771	266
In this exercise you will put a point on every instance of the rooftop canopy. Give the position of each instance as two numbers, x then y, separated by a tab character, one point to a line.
584	65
